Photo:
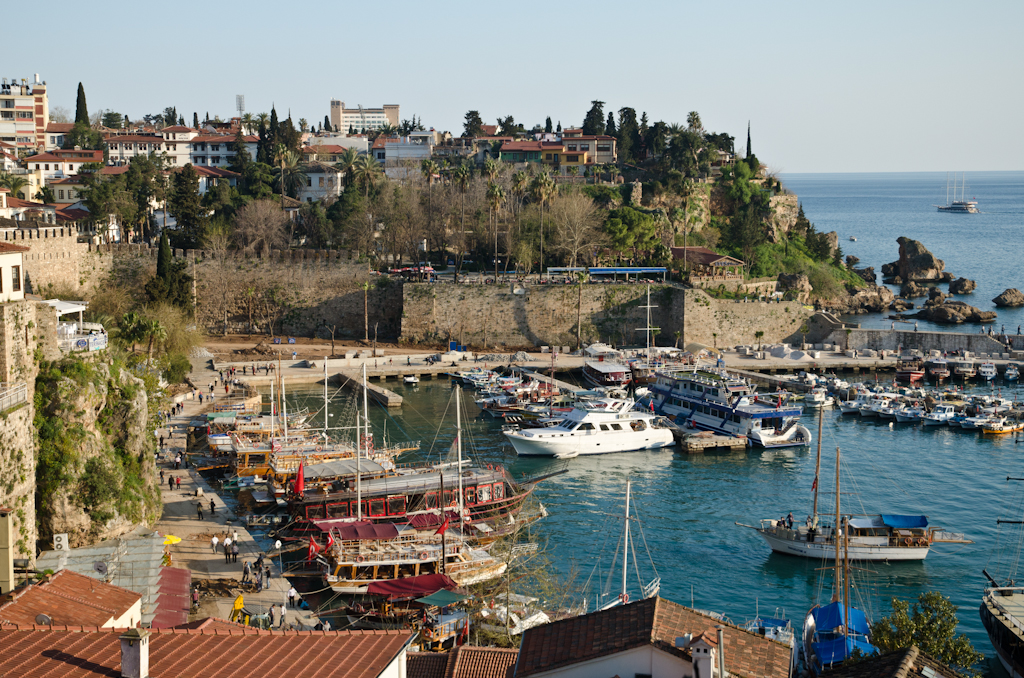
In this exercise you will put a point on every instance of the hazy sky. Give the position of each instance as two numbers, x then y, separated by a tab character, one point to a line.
828	87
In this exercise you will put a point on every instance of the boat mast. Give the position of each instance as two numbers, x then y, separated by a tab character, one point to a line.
284	409
817	471
458	442
359	453
835	537
947	188
325	399
273	429
625	543
846	577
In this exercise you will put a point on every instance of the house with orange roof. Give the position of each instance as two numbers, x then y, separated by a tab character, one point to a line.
55	132
178	144
69	598
60	163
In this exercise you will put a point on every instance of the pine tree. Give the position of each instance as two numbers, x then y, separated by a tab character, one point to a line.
593	123
547	125
609	127
186	207
195	120
81	109
275	126
126	121
181	120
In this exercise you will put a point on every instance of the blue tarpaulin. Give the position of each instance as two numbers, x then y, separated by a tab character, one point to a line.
905	522
837	650
628	269
831	616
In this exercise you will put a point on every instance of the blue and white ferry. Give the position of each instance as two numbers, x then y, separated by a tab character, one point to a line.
712	400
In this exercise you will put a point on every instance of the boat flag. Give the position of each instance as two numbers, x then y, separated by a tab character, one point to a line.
814	485
313	549
444	526
300	481
652	404
330	541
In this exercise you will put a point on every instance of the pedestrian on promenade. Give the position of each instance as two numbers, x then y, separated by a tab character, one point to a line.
245	572
177	482
213	507
225	389
281	623
266	576
177	462
170	483
292	593
234	536
213	540
234	552
259	580
162	477
227	550
915	326
271	613
161	441
199	510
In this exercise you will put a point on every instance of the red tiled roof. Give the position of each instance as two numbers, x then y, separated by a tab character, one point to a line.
177	128
69	214
466	661
909	662
489	130
427	664
26	204
8	248
206	653
215	172
328	148
703	256
654	621
381	140
222	139
590	137
173	604
137	138
67	155
59	127
521	146
210	624
68	598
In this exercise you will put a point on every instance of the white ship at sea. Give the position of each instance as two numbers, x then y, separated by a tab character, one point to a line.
962	205
713	400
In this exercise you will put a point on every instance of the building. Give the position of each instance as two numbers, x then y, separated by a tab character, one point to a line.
12	270
323	182
216	150
60	163
124	147
652	637
463	661
396	151
600	149
211	176
178	144
69	598
55	132
909	662
705	265
201	653
24	113
66	189
360	119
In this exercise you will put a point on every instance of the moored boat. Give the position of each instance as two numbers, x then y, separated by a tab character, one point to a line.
987	371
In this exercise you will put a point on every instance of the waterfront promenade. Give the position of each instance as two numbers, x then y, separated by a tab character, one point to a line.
194	550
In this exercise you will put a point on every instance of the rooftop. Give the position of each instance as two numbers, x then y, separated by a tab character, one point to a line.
8	248
466	661
704	256
201	653
67	598
906	663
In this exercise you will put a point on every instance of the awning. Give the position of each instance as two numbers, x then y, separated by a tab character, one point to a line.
832	616
340	467
411	587
425	520
348	530
866	523
442	598
905	522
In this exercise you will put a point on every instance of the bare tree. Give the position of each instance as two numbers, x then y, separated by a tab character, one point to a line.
261	227
577	220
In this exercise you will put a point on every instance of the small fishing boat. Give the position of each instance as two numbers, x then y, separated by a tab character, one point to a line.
411	379
1012	373
1001	427
963	368
939	416
937	368
910	367
987	371
853	239
909	415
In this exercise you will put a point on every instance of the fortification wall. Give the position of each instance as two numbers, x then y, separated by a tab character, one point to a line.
56	262
891	340
546	315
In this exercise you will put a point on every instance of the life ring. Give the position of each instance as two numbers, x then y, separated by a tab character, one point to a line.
423	555
360	559
907	541
922	542
319	448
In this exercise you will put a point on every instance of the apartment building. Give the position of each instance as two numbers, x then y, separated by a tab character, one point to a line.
360	118
59	163
178	144
214	150
123	148
24	113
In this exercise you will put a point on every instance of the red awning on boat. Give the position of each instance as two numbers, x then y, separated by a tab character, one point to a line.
424	520
348	530
411	587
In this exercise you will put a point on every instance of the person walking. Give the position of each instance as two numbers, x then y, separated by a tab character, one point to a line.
245	572
281	622
170	483
213	507
291	596
213	540
227	549
199	510
177	482
200	397
271	613
234	552
266	576
162	476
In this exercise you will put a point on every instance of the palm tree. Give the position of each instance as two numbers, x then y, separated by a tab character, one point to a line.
520	182
346	161
290	174
495	196
367	170
462	176
613	171
16	184
263	119
130	329
155	332
574	171
45	194
247	122
543	189
303	124
491	169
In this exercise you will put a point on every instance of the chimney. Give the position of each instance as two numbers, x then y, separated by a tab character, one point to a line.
721	652
135	653
6	550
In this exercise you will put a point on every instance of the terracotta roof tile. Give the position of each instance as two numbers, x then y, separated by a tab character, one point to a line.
217	653
68	597
654	621
177	128
9	248
427	664
482	662
59	127
906	663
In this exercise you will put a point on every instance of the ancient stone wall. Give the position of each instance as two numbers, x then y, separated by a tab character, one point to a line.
891	340
546	315
56	262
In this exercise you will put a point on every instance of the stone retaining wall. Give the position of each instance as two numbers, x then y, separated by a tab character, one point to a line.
891	340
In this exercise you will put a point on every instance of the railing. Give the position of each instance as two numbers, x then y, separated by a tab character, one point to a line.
82	342
12	395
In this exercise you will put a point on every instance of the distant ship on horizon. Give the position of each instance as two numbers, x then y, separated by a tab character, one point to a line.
961	205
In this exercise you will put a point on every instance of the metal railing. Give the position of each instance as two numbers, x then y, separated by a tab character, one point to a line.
12	395
82	342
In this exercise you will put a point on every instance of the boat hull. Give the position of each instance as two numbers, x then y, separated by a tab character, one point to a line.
568	446
825	550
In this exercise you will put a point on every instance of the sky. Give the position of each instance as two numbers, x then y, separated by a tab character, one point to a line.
826	86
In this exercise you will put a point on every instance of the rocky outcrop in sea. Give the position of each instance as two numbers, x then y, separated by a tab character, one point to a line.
1010	297
962	286
916	264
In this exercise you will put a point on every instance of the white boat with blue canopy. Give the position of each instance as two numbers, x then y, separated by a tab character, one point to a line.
713	400
831	634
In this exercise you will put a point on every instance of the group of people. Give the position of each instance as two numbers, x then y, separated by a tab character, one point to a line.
258	573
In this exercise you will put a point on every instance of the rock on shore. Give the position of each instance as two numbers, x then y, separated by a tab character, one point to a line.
911	289
795	282
873	299
916	263
1010	297
962	286
954	312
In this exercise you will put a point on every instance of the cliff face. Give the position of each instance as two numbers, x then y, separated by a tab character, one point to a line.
95	477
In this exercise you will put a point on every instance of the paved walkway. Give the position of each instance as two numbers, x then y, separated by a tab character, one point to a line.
180	519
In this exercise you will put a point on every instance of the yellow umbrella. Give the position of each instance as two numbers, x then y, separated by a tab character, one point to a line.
171	539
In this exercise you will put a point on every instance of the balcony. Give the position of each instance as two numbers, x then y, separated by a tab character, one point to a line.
81	337
12	395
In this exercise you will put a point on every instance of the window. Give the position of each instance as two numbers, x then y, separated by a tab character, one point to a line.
25	115
584	147
470	495
309	181
547	156
499	491
586	426
9	103
376	507
431	500
483	493
338	510
214	147
604	148
47	167
215	160
396	506
449	498
572	158
571	147
616	427
315	512
8	115
321	182
60	194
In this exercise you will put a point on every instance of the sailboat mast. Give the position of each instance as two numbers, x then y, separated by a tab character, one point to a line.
835	536
458	441
284	409
325	399
625	542
947	188
817	471
273	429
359	453
648	328
846	578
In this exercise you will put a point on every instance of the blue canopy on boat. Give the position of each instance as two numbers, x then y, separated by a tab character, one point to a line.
832	616
837	650
904	522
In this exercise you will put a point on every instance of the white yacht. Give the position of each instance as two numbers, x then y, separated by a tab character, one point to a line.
601	426
987	371
942	414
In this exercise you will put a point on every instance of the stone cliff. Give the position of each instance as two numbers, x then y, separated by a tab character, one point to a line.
95	477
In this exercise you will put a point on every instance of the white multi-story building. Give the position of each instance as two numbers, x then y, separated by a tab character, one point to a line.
395	151
178	144
122	148
323	182
24	113
359	119
211	150
55	132
60	163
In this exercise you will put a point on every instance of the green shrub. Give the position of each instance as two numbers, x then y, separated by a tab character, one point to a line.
176	366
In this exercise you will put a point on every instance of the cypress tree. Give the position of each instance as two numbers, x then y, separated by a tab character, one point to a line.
181	120
81	109
559	128
163	258
195	120
547	125
749	152
274	126
609	127
327	123
593	122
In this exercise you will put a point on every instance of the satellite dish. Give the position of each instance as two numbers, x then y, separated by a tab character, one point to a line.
277	544
100	567
43	620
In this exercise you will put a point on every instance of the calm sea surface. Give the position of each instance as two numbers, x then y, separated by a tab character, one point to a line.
689	504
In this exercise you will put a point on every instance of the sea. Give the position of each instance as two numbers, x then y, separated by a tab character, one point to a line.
693	510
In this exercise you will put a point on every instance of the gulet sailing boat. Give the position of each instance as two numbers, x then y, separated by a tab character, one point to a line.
1002	609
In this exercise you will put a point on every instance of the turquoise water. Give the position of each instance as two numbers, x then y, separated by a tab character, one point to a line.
689	504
